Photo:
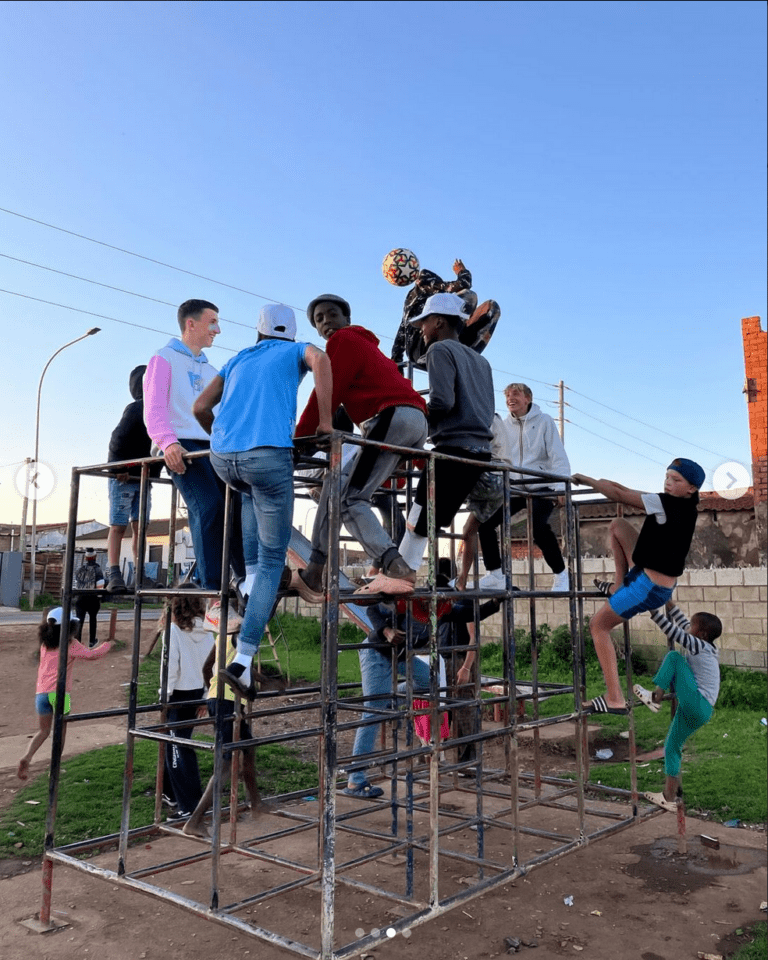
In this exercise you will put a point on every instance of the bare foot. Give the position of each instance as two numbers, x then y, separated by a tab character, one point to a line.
22	771
196	829
258	809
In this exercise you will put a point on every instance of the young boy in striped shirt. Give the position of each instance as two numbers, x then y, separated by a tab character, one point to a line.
694	676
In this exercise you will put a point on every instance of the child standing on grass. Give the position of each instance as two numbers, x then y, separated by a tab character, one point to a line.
45	700
694	677
657	556
188	648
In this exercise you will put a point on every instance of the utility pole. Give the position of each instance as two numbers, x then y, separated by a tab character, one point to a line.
561	418
25	504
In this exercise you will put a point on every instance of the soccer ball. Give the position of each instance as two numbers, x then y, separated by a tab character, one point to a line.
400	266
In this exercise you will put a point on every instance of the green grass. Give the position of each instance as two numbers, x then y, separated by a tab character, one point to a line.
91	794
724	764
758	948
42	601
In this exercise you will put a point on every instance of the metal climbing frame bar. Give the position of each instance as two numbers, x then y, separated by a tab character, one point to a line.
444	832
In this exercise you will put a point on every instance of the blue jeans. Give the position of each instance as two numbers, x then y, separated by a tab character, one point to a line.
376	673
264	478
203	494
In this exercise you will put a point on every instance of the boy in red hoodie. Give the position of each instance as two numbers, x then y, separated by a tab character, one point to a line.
387	409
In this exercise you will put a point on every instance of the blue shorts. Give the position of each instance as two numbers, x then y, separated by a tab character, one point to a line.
46	703
638	594
124	501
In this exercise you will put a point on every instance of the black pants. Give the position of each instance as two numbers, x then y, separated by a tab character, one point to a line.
465	720
453	484
543	534
89	606
181	769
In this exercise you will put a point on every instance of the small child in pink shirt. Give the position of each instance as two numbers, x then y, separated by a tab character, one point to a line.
45	700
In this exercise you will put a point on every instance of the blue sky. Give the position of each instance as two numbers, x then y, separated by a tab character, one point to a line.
600	167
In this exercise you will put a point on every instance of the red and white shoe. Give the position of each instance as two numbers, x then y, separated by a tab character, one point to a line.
213	618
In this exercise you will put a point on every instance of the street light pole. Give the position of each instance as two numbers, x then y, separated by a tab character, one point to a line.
36	466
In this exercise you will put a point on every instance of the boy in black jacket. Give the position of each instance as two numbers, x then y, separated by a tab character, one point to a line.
129	441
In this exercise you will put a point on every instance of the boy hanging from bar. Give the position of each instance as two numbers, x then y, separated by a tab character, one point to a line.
658	554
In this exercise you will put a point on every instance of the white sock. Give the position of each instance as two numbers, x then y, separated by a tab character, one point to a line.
244	659
413	518
248	582
412	549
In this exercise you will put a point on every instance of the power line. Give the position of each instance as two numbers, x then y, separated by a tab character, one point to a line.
108	286
90	313
636	452
649	425
139	256
625	432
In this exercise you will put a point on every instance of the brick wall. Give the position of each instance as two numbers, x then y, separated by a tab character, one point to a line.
738	596
756	390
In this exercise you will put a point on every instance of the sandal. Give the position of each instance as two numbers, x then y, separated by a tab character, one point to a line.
661	801
381	583
598	705
307	594
604	586
645	696
364	791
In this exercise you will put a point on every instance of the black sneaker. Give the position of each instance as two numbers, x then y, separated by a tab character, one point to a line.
235	676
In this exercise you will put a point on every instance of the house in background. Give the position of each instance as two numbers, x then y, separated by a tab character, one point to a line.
158	550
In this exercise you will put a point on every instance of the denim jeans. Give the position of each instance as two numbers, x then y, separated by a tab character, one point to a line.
376	673
361	477
264	478
203	494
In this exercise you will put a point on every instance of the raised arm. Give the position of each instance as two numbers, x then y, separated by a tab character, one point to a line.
614	491
675	627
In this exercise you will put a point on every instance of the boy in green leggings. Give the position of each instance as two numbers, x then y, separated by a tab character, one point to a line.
694	676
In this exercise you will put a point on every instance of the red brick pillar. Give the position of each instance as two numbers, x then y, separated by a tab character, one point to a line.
756	390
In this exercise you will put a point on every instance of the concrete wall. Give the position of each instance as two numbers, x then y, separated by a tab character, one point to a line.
737	596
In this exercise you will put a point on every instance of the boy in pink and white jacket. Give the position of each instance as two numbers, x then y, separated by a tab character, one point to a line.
176	376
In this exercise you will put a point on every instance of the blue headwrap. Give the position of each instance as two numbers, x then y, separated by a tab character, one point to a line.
688	469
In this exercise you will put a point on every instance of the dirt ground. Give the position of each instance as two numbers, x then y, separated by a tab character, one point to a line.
634	896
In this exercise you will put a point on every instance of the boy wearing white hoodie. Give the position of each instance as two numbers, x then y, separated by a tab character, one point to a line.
527	438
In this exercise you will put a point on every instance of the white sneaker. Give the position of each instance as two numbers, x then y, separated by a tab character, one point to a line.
561	582
494	580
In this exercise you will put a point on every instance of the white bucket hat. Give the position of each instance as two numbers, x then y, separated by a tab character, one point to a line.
445	304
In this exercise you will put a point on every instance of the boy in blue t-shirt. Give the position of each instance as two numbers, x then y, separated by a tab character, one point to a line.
252	451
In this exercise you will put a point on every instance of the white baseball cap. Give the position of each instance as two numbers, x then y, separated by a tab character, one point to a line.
277	320
56	613
446	304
